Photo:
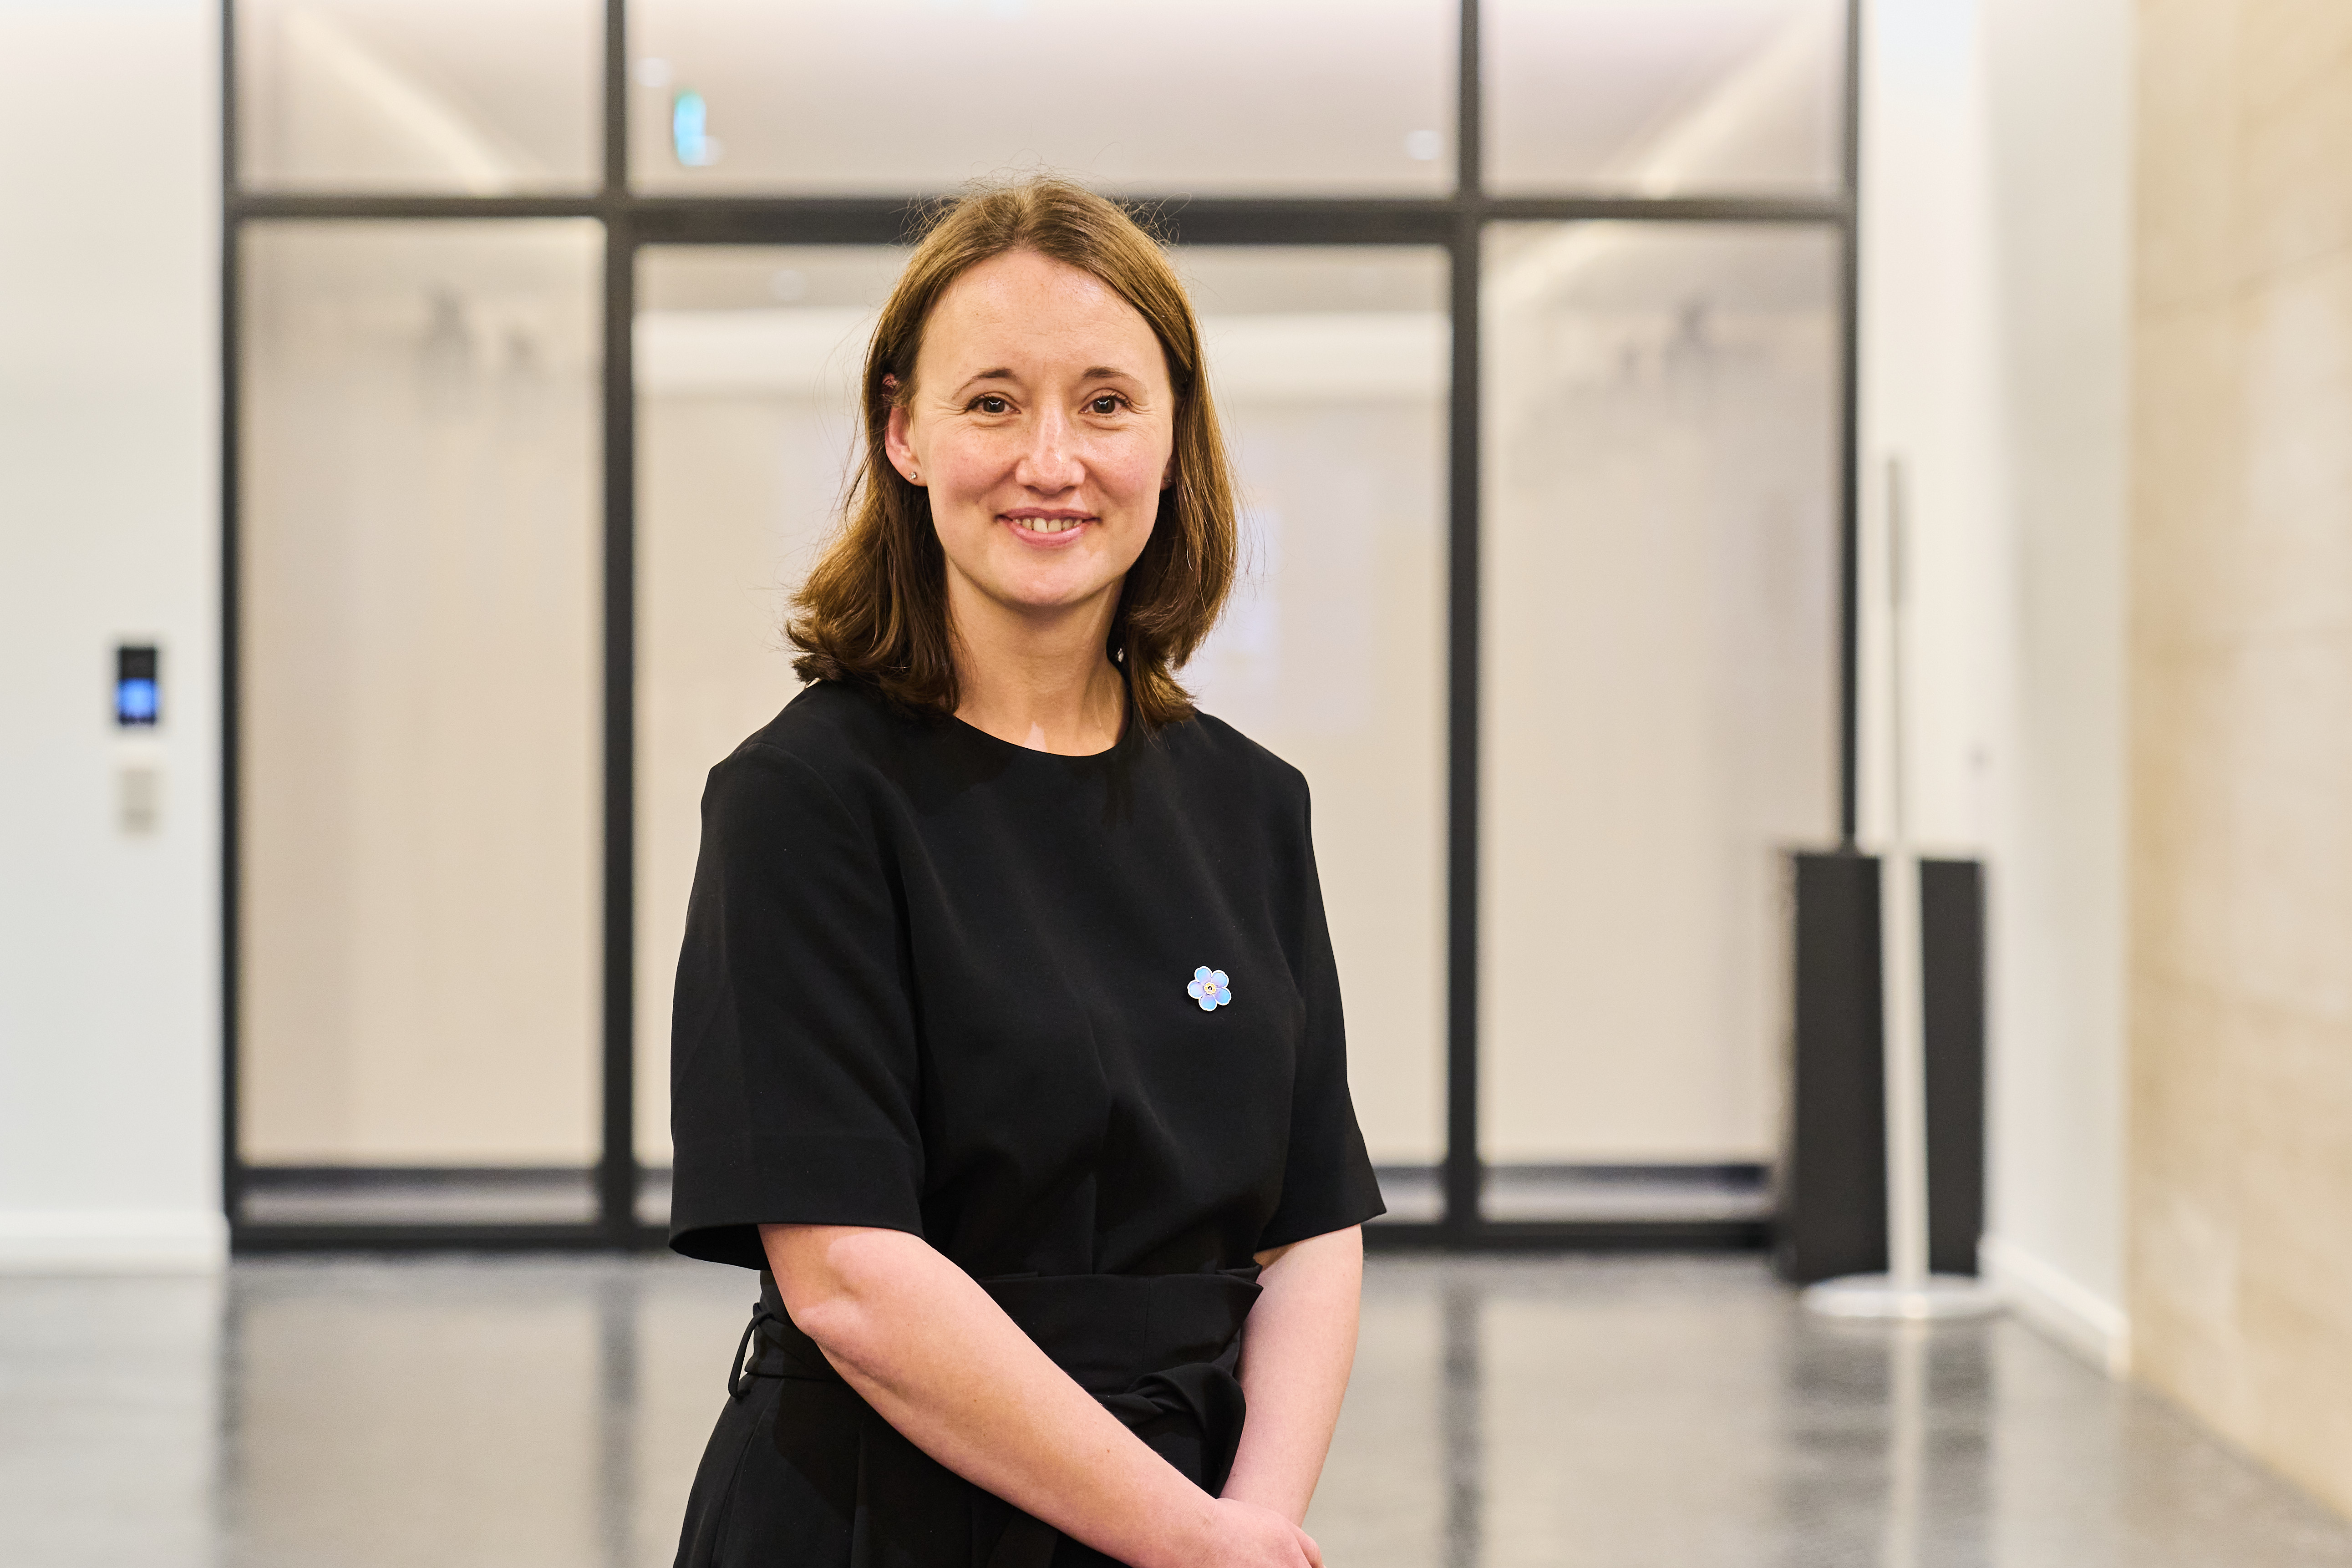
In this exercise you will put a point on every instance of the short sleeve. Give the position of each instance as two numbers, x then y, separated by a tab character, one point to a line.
793	1080
1326	1178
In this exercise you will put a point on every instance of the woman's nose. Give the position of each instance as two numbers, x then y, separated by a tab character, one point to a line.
1050	463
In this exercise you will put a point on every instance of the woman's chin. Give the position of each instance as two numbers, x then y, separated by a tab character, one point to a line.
1051	586
1045	601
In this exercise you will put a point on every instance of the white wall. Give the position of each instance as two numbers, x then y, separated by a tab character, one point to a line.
1996	289
109	1076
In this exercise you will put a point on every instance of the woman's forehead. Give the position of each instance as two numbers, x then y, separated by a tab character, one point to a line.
1024	302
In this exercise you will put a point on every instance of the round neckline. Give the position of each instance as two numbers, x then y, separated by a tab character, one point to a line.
1126	728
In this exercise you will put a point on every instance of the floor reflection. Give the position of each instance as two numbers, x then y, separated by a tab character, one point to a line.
1506	1412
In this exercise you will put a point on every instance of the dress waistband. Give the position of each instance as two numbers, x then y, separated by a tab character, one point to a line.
1104	1330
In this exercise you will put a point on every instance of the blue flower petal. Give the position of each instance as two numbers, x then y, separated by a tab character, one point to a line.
1208	1005
1202	973
1217	978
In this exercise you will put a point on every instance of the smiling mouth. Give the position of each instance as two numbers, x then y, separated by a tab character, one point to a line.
1031	522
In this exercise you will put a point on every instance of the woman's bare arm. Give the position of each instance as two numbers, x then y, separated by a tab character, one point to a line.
1296	1349
939	1360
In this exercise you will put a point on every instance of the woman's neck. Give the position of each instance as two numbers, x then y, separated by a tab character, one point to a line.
1043	681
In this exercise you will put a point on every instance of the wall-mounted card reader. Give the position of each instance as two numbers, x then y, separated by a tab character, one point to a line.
137	685
138	749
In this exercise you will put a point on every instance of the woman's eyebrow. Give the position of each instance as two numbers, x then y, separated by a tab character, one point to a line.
1092	372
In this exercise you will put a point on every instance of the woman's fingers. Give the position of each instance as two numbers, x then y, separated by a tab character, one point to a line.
1254	1536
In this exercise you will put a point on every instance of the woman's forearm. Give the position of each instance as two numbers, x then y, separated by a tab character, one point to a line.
1296	1350
939	1360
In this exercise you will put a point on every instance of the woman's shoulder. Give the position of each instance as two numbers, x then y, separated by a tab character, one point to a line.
1222	758
831	719
827	740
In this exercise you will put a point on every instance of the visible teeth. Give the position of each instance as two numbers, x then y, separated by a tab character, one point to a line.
1046	524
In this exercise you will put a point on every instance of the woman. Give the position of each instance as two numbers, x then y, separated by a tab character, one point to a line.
1007	1041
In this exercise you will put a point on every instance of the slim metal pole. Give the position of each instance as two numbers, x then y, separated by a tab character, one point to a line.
616	1170
1849	449
1462	1167
1903	997
231	637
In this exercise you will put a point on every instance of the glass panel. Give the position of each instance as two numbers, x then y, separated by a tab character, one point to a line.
1331	373
419	706
1660	695
1665	96
747	362
420	95
1151	96
1330	369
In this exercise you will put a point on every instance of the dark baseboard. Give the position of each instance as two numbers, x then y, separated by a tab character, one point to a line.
1570	1235
1384	1236
353	1178
246	1240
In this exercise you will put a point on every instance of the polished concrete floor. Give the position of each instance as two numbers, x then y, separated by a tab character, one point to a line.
1506	1413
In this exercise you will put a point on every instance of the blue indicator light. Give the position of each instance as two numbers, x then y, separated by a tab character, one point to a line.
689	131
134	703
138	684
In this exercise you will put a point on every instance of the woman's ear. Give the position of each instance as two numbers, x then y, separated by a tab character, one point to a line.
896	442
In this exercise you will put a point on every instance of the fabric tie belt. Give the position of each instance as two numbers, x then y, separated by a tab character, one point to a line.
1159	1352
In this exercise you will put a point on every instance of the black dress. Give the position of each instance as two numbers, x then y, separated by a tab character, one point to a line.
938	982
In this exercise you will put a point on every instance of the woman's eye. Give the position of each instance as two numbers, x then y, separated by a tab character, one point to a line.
991	404
1107	403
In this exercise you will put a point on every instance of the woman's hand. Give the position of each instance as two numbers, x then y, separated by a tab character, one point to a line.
1249	1535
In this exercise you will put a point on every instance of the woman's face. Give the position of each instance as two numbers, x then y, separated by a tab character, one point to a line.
1044	425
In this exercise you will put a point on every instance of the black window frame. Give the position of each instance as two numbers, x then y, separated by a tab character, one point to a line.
1455	222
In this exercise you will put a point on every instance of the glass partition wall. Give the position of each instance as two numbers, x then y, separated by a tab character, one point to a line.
1329	370
1531	325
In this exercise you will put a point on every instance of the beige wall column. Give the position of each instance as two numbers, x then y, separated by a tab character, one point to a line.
2242	727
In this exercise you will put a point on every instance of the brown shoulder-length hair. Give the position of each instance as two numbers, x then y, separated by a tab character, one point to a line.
875	610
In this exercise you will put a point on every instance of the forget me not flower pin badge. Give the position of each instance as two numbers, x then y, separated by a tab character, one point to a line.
1209	988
